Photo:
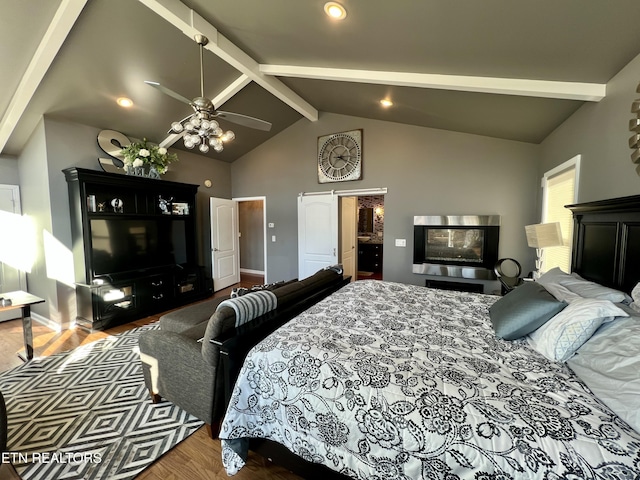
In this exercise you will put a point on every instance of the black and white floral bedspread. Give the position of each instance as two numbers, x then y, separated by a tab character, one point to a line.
387	381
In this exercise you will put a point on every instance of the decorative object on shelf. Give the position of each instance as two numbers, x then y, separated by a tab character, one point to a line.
180	208
101	206
164	205
117	205
145	159
112	143
541	236
634	126
340	157
201	128
91	203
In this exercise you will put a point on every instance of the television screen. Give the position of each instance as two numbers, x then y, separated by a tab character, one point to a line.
123	245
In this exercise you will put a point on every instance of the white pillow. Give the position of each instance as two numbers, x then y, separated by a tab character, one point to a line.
560	337
635	294
609	364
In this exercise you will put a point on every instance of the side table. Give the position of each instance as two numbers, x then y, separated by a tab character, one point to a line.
23	301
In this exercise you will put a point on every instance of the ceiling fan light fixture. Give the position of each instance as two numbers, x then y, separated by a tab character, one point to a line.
335	10
200	129
228	136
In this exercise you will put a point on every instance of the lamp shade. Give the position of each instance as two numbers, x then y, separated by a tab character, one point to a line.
543	235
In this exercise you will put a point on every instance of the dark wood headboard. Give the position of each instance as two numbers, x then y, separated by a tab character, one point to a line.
606	241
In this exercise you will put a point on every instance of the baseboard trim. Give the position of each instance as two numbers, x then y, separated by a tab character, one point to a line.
47	322
251	272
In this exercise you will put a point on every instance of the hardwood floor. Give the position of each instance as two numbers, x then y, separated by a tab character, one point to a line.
198	457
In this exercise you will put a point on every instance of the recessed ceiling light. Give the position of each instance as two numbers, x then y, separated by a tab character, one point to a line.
385	102
335	10
124	102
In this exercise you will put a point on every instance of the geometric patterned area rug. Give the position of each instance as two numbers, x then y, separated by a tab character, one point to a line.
86	414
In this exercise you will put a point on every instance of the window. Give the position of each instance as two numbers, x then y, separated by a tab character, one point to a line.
560	188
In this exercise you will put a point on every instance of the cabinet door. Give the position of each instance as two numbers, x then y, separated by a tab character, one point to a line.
155	291
115	300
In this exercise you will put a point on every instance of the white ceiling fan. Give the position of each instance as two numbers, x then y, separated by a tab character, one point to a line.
201	128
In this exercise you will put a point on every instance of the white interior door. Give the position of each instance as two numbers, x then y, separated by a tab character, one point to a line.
317	233
10	278
225	255
349	236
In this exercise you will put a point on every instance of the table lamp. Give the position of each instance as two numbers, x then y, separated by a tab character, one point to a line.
540	236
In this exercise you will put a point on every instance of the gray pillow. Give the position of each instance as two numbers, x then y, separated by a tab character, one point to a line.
583	287
523	310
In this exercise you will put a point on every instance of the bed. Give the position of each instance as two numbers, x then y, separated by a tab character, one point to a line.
390	381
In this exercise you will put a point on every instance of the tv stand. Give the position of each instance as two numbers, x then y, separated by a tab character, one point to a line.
106	303
107	292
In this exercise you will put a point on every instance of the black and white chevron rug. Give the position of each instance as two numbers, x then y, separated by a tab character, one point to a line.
86	414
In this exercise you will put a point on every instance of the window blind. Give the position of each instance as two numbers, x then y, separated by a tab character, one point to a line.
560	191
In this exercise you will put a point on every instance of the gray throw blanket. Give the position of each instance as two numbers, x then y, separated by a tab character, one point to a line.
251	305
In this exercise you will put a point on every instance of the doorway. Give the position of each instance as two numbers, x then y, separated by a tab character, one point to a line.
238	240
252	223
370	237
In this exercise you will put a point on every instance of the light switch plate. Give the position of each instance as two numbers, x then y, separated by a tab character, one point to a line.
401	242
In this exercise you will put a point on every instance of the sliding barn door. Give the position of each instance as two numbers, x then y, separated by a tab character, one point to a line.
317	233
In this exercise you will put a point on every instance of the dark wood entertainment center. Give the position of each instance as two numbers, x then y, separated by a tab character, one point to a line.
134	246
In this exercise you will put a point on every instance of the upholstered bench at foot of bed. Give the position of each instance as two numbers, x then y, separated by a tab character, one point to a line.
180	363
185	318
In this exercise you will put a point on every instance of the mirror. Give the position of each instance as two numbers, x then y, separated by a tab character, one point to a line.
365	220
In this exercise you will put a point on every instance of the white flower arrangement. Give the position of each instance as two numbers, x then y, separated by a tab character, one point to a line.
141	154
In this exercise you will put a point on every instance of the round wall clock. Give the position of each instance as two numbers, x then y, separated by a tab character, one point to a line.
340	157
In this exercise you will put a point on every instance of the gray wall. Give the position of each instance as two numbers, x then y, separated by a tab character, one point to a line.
9	173
426	171
56	145
600	133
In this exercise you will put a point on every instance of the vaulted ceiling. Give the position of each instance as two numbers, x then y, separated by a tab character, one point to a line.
512	70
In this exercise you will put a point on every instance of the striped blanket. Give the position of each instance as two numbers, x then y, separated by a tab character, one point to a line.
251	305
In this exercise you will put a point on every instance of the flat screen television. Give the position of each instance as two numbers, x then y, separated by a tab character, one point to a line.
125	245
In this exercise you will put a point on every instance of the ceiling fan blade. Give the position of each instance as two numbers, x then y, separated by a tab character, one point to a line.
244	120
166	91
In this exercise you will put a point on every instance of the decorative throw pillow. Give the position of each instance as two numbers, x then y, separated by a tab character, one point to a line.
523	310
240	291
560	337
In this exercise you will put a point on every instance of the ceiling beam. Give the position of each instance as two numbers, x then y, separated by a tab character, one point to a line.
590	92
60	26
190	23
233	88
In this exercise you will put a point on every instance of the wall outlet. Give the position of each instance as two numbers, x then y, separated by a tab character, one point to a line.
273	238
401	242
271	225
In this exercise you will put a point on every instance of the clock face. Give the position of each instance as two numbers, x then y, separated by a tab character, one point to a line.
340	157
